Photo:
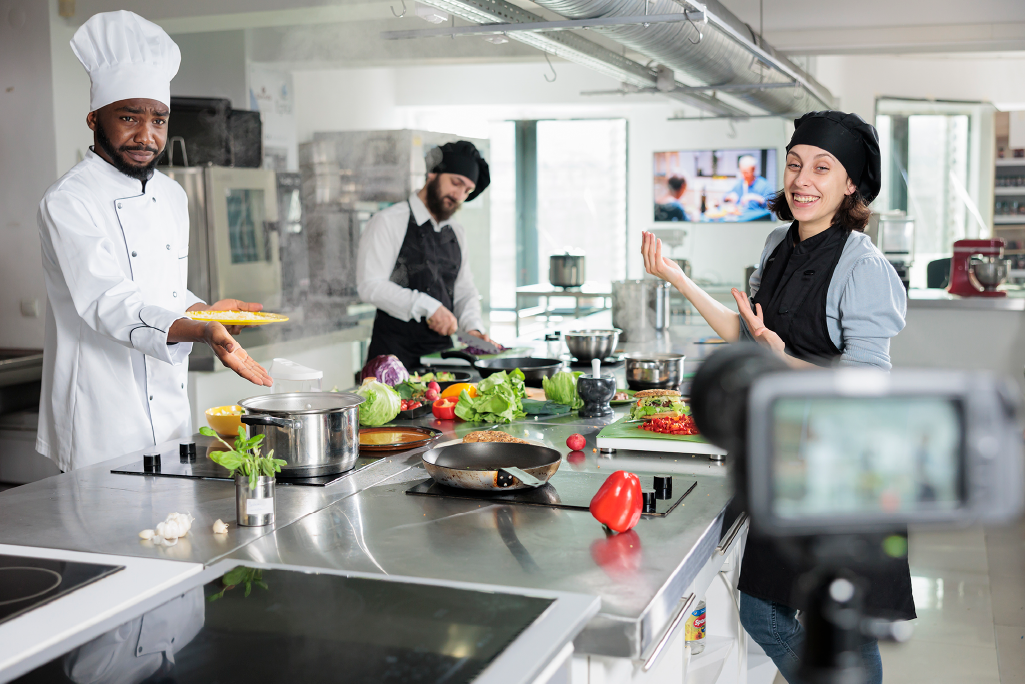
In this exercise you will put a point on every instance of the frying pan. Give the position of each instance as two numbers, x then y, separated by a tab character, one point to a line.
534	370
478	465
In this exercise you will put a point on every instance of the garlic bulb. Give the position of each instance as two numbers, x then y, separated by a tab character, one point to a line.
220	527
176	525
146	534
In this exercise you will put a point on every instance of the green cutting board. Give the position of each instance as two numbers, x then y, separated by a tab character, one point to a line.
623	435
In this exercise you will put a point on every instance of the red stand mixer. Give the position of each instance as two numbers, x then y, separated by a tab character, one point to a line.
977	268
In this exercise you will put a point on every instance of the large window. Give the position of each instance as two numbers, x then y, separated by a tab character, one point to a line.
569	179
937	168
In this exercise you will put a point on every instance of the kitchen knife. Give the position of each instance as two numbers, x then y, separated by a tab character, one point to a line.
471	341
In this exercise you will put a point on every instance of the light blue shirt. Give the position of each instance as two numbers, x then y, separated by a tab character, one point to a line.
759	187
866	303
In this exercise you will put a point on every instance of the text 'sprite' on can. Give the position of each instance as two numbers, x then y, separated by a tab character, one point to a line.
695	629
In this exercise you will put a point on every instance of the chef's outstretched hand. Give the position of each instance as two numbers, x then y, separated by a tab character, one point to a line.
443	322
229	305
658	265
234	356
756	323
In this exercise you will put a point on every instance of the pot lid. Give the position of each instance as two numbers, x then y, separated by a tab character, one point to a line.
301	402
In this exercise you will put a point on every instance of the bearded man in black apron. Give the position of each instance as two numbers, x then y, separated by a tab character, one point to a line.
823	295
412	261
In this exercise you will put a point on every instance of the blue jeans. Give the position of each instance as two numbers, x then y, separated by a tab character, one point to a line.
775	628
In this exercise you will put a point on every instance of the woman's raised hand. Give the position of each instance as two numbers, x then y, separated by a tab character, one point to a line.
656	264
756	324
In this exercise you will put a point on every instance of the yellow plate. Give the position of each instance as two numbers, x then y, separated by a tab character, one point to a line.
237	317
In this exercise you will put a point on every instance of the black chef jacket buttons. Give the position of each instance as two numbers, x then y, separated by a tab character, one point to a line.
169	246
187	452
174	294
118	205
154	199
151	463
663	486
648	500
135	254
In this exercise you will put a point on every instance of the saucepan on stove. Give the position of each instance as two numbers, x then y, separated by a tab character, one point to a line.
654	371
316	433
492	466
534	370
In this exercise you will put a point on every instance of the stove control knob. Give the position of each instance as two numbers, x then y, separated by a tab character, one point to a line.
663	486
151	463
647	501
187	452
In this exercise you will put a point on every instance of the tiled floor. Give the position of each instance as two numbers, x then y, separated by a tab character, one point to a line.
970	597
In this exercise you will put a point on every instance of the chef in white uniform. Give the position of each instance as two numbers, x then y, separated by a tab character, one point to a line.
115	243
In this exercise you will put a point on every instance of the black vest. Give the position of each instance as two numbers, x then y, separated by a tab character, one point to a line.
428	262
794	286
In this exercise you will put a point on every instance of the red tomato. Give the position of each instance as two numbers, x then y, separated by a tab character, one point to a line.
576	441
445	409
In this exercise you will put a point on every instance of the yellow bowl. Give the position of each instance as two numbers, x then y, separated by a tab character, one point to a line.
225	420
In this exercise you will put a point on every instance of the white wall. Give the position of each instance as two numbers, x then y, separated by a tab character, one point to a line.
464	99
344	100
858	79
213	65
27	163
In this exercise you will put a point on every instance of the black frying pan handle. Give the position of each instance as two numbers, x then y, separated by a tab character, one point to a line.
459	354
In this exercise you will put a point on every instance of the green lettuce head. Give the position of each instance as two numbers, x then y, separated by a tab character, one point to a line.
381	403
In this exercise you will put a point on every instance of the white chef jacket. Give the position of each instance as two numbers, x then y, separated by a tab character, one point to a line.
115	261
379	249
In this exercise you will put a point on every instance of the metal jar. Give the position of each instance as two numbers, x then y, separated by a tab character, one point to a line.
654	371
566	270
316	433
254	507
640	308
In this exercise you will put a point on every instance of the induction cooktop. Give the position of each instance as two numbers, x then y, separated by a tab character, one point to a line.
205	469
27	583
267	625
569	490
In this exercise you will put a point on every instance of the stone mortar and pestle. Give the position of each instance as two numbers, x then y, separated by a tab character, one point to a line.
596	391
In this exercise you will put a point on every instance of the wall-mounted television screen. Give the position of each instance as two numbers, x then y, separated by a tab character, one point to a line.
714	185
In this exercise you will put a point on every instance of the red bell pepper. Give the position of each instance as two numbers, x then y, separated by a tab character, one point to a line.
617	504
445	409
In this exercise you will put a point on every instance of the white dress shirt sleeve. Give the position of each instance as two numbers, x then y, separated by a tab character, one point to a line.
378	250
466	298
108	302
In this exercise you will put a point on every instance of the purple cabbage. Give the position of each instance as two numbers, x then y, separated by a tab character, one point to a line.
386	368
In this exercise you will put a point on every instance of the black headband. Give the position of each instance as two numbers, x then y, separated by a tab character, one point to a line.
849	138
462	158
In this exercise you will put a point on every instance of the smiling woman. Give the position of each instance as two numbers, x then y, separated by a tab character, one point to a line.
822	295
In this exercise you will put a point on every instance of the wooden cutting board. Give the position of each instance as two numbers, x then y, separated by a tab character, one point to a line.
623	435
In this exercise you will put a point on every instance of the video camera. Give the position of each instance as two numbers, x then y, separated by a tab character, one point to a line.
830	463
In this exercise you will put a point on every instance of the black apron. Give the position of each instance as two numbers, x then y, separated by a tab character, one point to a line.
429	262
794	286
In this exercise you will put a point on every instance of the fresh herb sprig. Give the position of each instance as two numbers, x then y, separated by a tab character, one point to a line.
245	456
240	576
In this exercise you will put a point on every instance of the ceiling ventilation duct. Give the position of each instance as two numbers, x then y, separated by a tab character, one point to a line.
714	58
576	48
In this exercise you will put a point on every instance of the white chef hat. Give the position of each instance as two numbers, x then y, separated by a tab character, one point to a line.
126	57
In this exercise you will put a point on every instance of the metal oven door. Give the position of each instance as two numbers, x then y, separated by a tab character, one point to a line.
242	215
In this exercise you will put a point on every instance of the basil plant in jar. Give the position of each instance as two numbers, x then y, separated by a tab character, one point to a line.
254	476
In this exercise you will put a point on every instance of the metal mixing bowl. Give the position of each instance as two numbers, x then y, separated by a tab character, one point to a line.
990	273
586	345
654	371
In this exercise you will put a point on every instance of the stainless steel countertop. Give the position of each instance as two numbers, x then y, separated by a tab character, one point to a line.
941	299
367	523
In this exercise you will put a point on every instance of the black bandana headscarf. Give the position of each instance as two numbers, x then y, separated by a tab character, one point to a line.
849	138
